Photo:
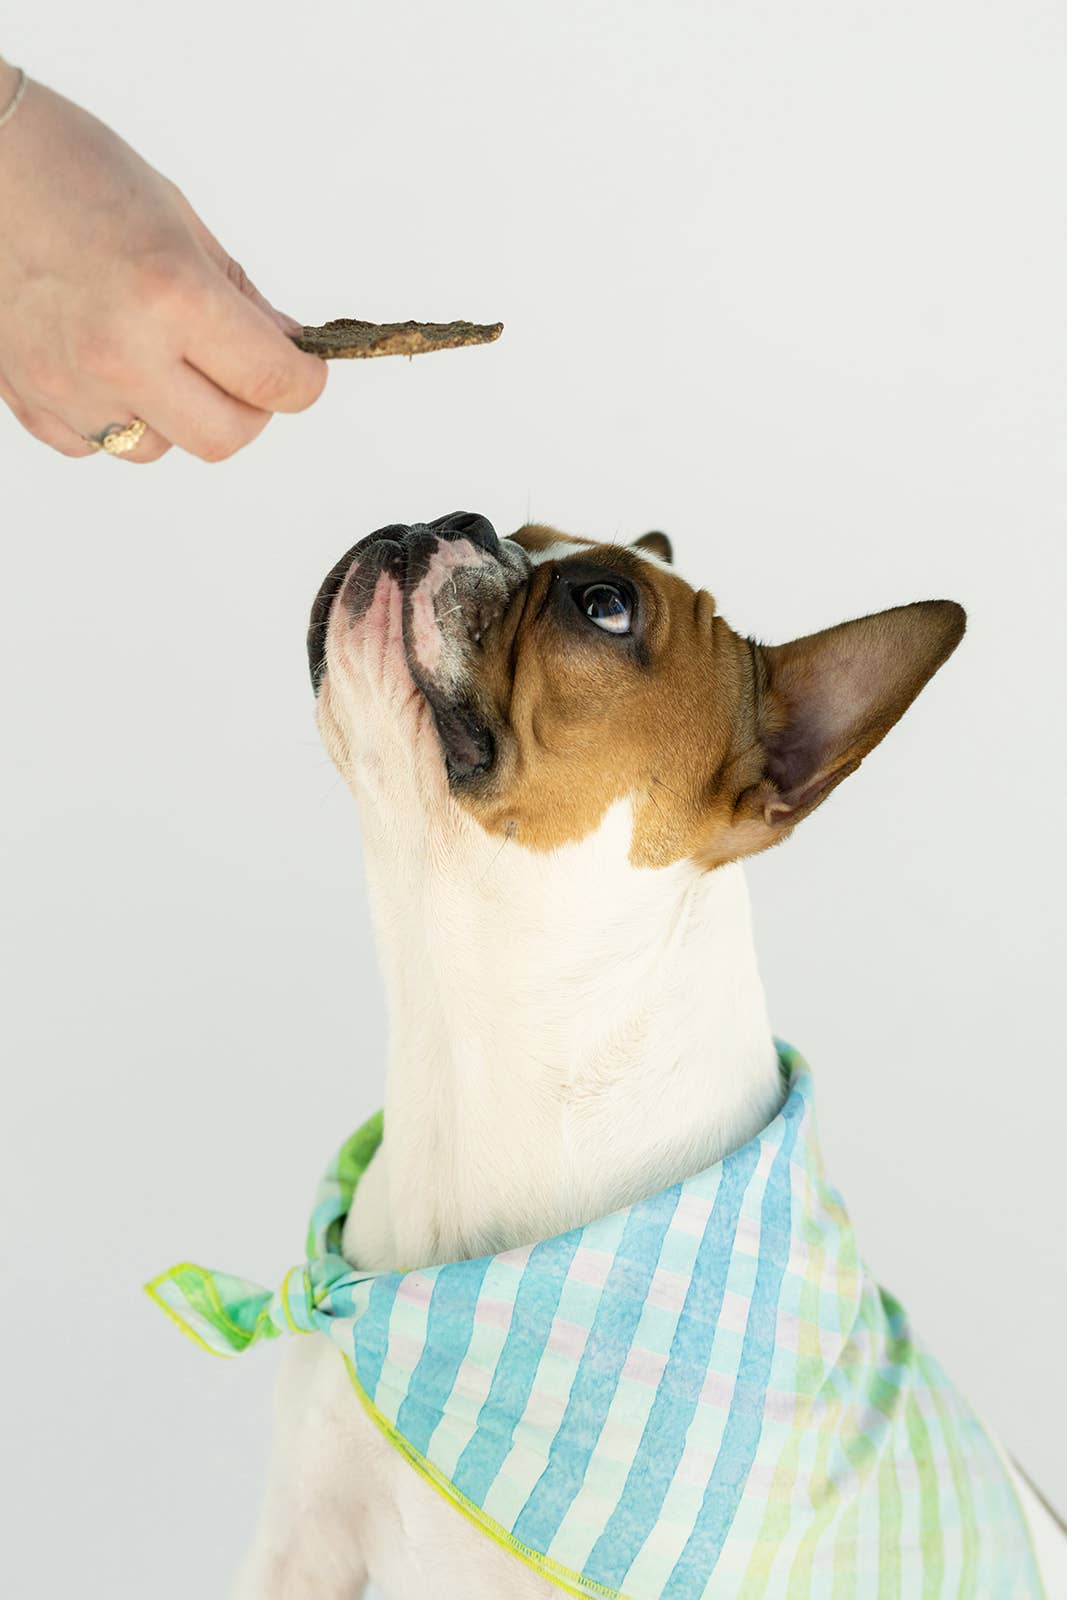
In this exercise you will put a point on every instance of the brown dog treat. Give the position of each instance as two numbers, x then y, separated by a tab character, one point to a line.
348	338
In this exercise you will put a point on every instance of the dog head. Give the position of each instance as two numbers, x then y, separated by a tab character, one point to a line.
526	685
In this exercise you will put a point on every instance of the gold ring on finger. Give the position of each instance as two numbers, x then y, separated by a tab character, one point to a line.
119	437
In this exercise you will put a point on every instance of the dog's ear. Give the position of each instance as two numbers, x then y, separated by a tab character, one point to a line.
657	544
823	702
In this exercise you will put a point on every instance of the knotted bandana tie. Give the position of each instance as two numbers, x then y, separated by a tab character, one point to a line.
704	1394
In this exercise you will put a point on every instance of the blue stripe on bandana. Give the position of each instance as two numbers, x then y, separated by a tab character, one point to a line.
663	1440
536	1304
607	1347
744	1423
448	1335
371	1333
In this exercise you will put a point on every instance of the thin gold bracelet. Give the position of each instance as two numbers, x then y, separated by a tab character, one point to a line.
5	116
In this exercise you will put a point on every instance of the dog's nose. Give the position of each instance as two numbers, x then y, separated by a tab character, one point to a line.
468	525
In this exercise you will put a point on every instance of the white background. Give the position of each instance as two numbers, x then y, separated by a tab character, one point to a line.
787	281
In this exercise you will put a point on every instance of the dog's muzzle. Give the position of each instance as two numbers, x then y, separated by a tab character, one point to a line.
401	548
452	600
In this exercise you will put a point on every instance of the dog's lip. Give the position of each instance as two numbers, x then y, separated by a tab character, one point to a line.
380	536
398	556
333	587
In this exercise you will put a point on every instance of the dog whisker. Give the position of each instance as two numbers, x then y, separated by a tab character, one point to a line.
666	786
496	857
331	791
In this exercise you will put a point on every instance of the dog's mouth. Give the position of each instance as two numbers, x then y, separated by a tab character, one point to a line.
383	551
456	581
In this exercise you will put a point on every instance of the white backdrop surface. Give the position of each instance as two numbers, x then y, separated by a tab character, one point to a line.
784	281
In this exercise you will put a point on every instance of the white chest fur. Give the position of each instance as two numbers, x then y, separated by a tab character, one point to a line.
568	1032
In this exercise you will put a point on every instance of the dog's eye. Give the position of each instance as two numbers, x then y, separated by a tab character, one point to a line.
607	606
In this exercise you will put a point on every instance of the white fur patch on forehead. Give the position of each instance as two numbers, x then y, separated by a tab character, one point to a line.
671	568
559	551
654	560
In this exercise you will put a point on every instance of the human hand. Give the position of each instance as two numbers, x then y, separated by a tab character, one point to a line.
117	302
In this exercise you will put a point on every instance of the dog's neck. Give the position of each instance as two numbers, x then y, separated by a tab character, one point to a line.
567	1034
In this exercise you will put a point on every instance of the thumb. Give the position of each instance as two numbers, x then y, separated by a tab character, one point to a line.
241	281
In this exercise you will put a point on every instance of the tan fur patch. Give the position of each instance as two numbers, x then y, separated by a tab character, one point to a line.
591	721
722	745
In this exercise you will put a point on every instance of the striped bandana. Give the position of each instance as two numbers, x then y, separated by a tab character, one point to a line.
705	1394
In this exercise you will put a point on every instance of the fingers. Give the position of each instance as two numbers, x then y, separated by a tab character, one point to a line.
150	447
193	413
44	426
184	408
241	349
70	440
220	428
51	431
59	435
